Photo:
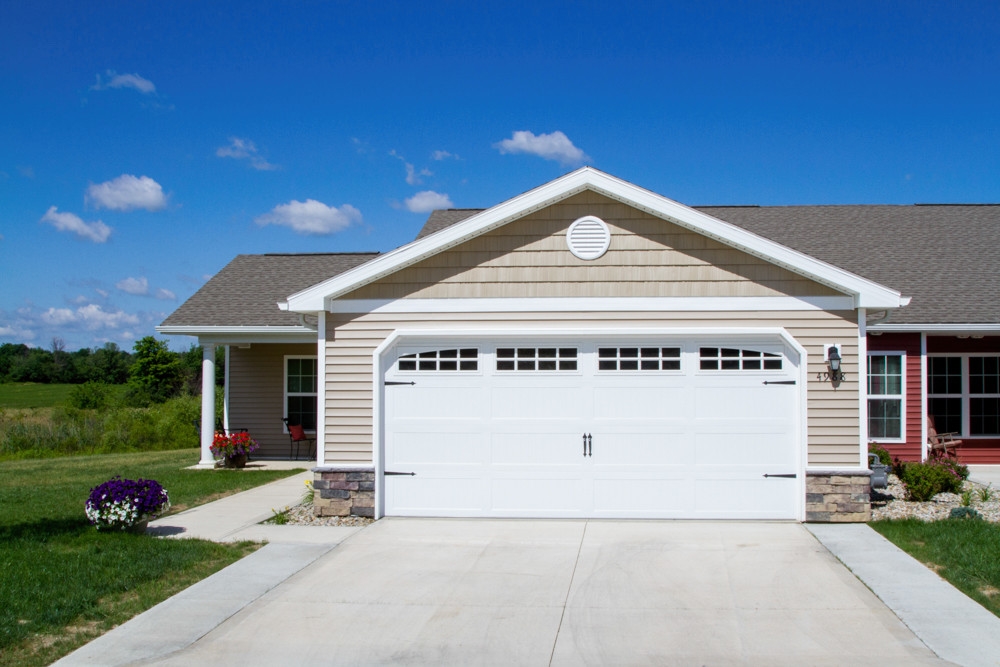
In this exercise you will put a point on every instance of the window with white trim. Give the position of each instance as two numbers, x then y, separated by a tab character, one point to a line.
737	359
464	359
639	358
536	358
886	387
963	394
300	391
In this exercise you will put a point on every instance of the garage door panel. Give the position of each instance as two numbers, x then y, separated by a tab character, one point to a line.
540	495
744	449
430	403
649	496
641	449
542	449
431	449
763	498
645	403
537	402
729	403
436	494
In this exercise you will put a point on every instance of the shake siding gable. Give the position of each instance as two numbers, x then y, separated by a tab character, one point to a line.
649	257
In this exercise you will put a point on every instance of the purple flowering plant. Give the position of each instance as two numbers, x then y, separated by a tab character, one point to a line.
120	504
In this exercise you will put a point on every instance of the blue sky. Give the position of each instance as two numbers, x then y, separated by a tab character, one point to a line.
143	145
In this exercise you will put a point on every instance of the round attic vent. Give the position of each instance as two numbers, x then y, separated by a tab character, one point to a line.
588	237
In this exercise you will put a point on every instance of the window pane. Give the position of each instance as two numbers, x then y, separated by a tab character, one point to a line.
984	416
885	418
945	375
947	414
302	410
984	375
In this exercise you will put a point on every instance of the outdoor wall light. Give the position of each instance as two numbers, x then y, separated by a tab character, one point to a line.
833	361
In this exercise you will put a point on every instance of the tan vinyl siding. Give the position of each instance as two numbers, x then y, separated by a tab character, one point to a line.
257	393
648	257
833	433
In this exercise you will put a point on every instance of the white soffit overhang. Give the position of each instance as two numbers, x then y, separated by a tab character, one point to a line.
867	294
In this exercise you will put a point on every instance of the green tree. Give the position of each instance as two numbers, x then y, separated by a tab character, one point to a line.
156	373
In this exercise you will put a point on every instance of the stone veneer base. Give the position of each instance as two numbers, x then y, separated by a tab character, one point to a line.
831	496
343	491
838	496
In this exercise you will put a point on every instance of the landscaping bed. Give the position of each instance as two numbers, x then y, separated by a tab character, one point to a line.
891	503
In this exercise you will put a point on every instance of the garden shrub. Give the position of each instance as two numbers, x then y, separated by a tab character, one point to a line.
964	513
923	481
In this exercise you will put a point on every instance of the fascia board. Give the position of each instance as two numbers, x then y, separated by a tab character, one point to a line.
867	294
194	329
937	328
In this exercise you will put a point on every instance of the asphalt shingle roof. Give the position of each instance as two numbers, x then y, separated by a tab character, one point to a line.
246	291
946	257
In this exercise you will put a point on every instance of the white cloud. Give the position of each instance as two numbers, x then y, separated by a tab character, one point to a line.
127	193
165	294
94	317
555	146
136	286
442	155
244	149
58	316
116	80
427	201
311	217
98	232
413	177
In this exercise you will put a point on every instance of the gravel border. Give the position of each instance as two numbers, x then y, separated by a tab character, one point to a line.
889	503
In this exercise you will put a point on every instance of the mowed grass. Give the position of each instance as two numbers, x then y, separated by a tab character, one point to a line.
33	395
62	583
962	551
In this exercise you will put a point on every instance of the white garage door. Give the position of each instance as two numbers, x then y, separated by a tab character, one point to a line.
599	428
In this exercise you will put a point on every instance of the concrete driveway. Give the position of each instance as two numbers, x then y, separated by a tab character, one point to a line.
505	592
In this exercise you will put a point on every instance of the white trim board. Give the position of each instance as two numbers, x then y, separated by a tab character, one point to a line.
867	294
985	329
586	304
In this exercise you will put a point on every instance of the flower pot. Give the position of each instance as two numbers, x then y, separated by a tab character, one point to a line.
236	461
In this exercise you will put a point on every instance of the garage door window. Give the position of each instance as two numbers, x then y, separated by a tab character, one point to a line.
464	359
738	359
639	358
536	359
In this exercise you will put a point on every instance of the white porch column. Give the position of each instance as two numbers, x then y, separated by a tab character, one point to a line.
207	405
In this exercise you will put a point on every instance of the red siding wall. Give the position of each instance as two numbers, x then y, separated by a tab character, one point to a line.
980	450
910	344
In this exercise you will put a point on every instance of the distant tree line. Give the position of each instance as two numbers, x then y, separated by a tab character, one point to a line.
151	368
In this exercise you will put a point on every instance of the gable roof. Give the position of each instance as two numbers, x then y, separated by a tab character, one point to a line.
866	293
945	256
244	293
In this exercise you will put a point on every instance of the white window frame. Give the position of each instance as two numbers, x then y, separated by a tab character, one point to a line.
966	396
286	393
885	397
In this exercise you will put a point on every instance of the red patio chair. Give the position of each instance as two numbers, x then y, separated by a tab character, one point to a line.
296	436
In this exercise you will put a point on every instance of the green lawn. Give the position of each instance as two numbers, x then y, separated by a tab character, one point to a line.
62	583
33	395
962	551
